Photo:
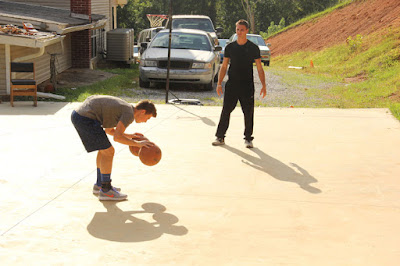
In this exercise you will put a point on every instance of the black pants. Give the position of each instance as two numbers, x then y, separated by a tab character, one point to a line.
244	93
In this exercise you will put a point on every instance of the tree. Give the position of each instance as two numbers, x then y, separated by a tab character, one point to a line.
223	13
228	13
249	7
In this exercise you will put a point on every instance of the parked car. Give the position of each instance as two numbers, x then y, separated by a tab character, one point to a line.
258	40
194	59
146	35
198	22
222	43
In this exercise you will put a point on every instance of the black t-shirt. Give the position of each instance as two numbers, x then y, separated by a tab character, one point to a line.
241	60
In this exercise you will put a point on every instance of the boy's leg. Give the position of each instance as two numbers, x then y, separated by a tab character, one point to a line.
247	104
98	158
230	101
97	186
107	192
94	138
104	162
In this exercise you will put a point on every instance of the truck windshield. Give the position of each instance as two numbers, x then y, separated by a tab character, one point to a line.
182	41
193	23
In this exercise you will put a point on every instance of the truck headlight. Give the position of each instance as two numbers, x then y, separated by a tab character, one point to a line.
201	65
148	63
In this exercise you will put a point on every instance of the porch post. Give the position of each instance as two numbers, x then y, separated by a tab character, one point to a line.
8	69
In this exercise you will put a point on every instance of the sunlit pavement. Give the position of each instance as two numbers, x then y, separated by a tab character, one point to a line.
320	187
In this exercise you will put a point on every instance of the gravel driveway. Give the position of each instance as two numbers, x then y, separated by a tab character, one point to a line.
279	92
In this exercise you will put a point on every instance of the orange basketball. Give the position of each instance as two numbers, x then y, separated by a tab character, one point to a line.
150	156
134	150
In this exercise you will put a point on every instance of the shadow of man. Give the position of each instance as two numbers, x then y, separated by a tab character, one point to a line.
277	169
203	119
123	226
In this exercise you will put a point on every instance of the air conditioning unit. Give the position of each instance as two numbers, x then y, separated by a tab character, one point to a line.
120	45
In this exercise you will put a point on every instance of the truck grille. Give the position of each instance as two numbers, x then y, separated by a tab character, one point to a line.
174	64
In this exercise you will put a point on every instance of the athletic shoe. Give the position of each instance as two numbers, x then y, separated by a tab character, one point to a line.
218	142
248	143
111	195
96	189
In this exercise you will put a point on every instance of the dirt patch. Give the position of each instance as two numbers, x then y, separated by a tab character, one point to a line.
76	77
358	78
395	97
361	17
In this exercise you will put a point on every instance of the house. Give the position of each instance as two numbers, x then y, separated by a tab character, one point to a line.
71	33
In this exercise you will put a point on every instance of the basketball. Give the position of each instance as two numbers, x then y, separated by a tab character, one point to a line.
134	150
150	156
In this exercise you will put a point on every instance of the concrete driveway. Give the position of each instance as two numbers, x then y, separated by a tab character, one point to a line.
320	187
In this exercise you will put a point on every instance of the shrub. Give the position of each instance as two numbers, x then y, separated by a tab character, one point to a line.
354	44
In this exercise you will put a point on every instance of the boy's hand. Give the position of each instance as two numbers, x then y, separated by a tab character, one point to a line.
145	143
219	90
138	134
263	91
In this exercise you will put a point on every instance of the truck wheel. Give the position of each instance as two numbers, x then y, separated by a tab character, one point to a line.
144	84
209	86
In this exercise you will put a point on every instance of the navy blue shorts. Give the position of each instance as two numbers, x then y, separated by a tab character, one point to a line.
91	132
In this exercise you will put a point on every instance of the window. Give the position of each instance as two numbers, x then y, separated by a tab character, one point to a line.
97	37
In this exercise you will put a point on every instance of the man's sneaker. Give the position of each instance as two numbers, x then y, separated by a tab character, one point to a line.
96	189
111	195
218	142
248	143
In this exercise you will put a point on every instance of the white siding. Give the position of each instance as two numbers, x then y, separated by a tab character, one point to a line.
42	63
64	4
103	7
3	89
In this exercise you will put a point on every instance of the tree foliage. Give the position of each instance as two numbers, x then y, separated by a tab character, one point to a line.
261	14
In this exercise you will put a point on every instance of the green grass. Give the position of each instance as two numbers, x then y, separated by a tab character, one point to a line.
124	84
367	76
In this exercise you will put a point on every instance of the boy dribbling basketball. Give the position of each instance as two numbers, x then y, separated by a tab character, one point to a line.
100	115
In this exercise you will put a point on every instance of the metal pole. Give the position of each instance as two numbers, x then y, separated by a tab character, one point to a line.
169	50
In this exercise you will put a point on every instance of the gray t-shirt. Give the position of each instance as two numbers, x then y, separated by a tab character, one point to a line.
108	110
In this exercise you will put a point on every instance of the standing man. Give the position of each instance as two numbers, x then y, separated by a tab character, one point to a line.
240	86
101	114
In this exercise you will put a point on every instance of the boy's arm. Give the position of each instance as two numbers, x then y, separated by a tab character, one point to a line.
261	75
121	137
222	73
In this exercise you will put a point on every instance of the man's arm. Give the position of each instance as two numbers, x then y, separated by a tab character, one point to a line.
121	137
261	75
222	73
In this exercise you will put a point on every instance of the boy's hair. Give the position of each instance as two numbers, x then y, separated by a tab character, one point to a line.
148	106
243	22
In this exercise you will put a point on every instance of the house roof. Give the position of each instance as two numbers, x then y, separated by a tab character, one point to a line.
45	18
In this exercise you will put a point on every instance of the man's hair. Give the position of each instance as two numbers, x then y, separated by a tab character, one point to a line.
243	22
148	106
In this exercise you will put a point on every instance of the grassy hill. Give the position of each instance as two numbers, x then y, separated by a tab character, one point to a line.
358	45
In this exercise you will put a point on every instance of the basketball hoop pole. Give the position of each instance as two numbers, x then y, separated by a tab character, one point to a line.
169	50
177	101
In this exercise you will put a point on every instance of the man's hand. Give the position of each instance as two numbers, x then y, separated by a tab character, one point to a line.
219	90
263	91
